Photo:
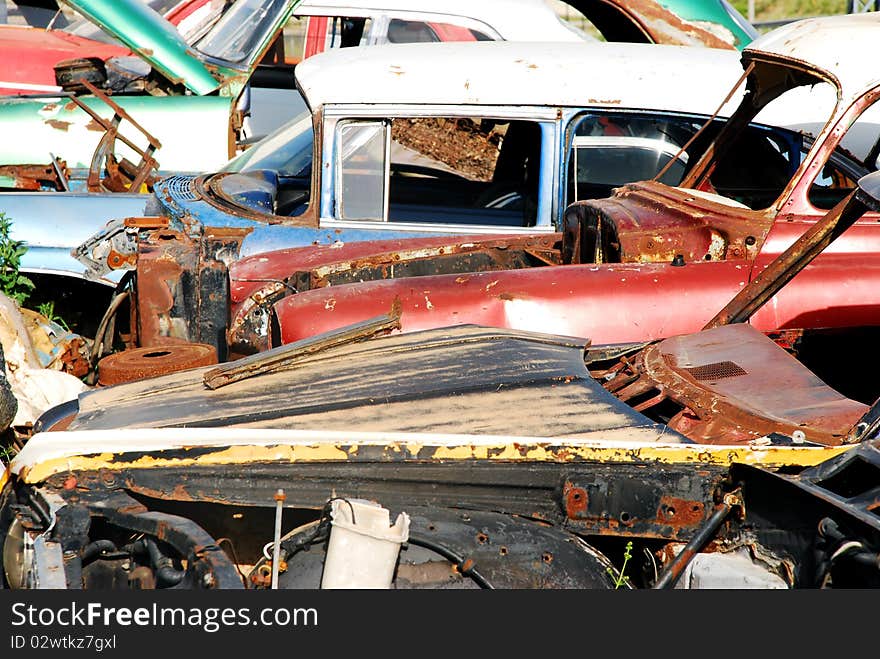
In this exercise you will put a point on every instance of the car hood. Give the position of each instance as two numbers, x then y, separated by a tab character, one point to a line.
400	383
151	37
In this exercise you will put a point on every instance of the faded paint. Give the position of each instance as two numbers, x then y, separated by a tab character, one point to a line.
58	452
633	75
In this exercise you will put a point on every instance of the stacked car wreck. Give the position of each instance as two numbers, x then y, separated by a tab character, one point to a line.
623	445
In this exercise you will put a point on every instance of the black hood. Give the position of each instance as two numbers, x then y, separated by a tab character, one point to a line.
457	380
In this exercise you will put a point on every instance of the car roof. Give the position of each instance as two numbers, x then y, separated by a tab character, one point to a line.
839	45
651	76
513	20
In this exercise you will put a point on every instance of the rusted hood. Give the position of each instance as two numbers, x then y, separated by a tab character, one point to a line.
456	380
650	222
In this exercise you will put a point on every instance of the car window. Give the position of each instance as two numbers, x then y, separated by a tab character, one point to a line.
406	31
305	36
450	170
361	164
839	176
609	150
753	165
287	150
243	27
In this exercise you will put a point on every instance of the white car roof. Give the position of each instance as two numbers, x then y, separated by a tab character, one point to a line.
513	20
842	46
623	75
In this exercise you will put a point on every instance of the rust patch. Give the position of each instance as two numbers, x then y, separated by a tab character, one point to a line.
576	500
58	125
95	126
680	512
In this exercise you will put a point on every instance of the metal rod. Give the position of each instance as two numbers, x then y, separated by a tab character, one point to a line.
788	264
276	547
286	356
673	571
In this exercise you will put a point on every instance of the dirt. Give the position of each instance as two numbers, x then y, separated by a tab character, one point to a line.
467	146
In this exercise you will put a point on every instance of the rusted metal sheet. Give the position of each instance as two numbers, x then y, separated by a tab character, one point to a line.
664	26
573	300
732	385
287	356
182	292
289	273
36	177
668	502
651	222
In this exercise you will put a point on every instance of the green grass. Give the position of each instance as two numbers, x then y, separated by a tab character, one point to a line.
772	10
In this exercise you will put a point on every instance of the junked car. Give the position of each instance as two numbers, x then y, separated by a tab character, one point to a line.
180	94
661	256
205	99
714	24
133	486
396	146
28	55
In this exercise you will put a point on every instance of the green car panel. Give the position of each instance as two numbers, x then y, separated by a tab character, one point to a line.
718	14
191	142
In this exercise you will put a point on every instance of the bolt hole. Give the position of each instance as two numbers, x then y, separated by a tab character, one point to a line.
547	557
576	496
482	538
625	517
431	527
503	551
670	512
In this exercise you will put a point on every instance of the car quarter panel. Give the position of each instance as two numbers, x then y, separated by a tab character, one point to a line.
612	303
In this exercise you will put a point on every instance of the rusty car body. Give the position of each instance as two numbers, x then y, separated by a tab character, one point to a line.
133	486
289	188
620	262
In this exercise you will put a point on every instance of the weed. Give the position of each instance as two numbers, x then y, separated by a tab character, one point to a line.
12	283
47	309
620	579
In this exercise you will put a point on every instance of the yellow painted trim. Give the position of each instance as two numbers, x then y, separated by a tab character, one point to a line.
403	452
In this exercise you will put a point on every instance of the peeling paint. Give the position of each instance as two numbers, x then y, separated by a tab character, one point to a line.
510	451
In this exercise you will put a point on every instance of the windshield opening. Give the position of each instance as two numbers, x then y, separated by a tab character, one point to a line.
754	168
287	150
238	34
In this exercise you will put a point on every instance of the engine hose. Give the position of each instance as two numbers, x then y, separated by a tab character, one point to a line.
94	549
450	555
162	565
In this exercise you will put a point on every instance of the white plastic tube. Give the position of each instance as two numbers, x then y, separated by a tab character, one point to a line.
364	545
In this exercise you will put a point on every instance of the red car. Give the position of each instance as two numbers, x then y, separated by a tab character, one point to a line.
652	260
28	55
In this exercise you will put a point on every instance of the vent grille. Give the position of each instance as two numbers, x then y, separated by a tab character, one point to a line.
180	187
715	371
